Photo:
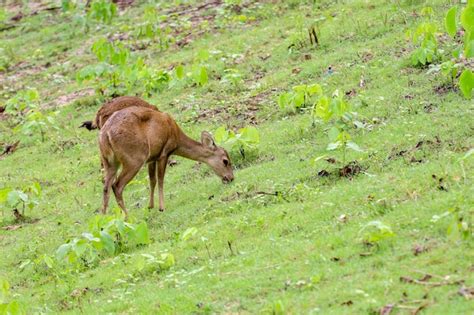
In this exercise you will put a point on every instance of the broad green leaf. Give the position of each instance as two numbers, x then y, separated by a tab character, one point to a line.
203	55
4	193
167	261
221	135
314	89
333	133
5	287
48	261
14	308
36	188
15	196
298	100
467	18
80	247
108	242
322	108
354	146
450	21
278	308
466	83
333	146
62	251
141	234
283	100
469	49
179	72
190	232
250	135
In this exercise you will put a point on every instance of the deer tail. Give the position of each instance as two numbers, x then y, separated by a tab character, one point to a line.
89	125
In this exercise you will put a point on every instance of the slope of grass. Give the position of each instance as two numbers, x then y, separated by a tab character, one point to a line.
280	238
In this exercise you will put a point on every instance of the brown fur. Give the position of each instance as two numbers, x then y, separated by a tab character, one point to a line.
111	107
135	136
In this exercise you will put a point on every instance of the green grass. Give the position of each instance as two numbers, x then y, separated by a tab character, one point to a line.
302	251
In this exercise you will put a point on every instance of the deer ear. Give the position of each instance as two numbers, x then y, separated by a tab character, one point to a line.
207	140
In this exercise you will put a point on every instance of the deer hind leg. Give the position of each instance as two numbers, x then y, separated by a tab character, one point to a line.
152	176
129	170
110	172
161	178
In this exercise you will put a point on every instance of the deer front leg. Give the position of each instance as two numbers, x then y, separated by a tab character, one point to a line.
161	177
152	176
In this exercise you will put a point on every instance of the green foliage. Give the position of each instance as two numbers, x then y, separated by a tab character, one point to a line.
116	73
233	77
246	140
25	112
460	223
336	112
450	21
148	263
9	305
427	46
102	10
151	30
197	74
26	197
375	232
466	79
466	83
300	97
23	100
109	235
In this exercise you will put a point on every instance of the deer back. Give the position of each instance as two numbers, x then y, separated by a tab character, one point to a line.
140	133
119	103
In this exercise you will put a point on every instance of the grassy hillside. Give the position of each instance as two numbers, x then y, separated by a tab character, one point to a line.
389	230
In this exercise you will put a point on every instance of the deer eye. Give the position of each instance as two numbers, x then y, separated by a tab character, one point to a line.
226	162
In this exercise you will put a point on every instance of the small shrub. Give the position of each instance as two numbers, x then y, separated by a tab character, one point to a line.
109	235
375	232
245	141
9	305
27	197
336	111
102	10
301	96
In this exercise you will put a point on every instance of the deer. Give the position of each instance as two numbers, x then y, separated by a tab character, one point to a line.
135	136
111	107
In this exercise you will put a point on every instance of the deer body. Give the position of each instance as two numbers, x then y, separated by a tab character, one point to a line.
135	136
107	110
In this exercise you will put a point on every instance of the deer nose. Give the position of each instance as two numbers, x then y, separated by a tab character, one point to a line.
227	179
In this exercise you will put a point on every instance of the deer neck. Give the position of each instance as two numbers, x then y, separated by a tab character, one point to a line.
191	149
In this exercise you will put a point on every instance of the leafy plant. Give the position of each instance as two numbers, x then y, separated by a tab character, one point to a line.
375	231
25	111
466	79
8	305
109	235
300	97
102	11
25	198
337	112
117	74
448	69
233	77
244	141
427	45
150	28
147	263
23	100
461	225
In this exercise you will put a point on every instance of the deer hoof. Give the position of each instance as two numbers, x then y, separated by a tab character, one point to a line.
161	210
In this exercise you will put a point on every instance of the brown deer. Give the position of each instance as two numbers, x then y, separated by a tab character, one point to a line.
134	136
111	107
